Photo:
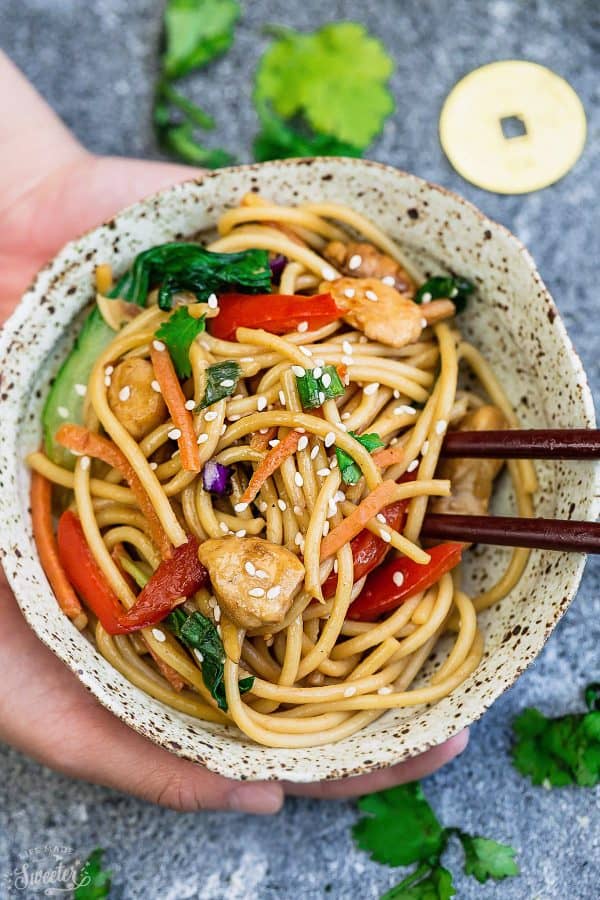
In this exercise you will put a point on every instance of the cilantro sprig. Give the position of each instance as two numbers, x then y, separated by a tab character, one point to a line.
93	881
563	750
401	829
178	333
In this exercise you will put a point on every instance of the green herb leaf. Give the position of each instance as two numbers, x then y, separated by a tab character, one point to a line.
279	140
446	287
178	333
313	392
335	78
425	883
133	569
176	120
183	266
350	470
485	858
592	696
200	634
93	882
196	32
400	827
221	382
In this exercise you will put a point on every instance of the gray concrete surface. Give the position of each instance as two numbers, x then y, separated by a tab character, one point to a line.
95	63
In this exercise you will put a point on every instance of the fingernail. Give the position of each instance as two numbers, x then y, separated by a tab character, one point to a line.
261	799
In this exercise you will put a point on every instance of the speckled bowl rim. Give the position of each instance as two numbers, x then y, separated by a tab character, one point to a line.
17	534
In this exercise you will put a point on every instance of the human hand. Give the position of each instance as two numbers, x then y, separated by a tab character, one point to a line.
52	189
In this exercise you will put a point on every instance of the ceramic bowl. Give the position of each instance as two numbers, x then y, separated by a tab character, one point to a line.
513	320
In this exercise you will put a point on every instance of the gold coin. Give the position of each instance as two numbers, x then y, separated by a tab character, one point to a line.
481	109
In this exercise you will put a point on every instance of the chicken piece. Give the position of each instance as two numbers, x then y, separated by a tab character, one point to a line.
471	480
133	400
383	313
369	262
254	580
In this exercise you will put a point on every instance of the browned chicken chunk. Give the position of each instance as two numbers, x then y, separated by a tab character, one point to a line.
254	580
133	400
361	260
382	313
471	480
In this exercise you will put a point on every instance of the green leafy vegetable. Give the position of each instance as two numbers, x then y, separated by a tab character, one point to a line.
334	78
314	391
562	750
221	382
200	635
183	266
350	470
279	140
133	569
93	882
401	829
178	333
445	286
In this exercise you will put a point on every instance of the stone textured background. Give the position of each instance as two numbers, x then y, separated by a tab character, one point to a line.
95	63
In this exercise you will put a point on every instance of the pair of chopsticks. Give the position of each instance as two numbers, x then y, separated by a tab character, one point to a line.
511	531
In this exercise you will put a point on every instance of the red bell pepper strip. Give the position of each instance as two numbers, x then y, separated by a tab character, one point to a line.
180	576
85	574
385	590
277	313
368	550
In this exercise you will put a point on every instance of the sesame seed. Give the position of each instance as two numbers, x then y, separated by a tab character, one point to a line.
260	573
153	466
263	431
261	403
326	380
347	347
159	635
303	443
302	326
210	416
299	479
234	418
222	431
84	462
306	351
298	539
440	426
107	380
241	533
454	292
424	323
249	567
282	505
273	592
80	389
274	443
349	293
398	579
219	631
217	613
63	412
282	398
174	434
202	439
347	360
371	295
263	506
425	448
109	370
298	371
317	372
396	394
389	280
323	473
426	297
412	465
385	535
212	301
223	527
386	689
339	496
240	507
330	438
155	386
158	345
354	262
248	359
328	273
333	462
325	528
125	393
350	692
405	411
381	518
346	416
331	509
321	397
314	452
227	382
298	510
198	655
190	405
256	592
371	388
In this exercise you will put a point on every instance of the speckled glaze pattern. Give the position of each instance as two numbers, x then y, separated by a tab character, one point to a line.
513	321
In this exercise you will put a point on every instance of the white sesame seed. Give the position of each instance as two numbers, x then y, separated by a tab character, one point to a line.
240	507
398	579
297	510
282	505
261	403
302	326
234	418
321	397
306	351
125	393
174	434
153	466
333	462
349	293
385	535
346	416
282	398
326	380
371	295
223	429
330	439
440	426
80	389
84	462
381	518
210	416
426	297
273	592
217	613
299	479
202	439
263	431
298	371
412	465
109	370
298	539
107	380
389	280
262	506
158	345
249	567
274	442
325	528
63	412
190	405
350	692
405	411
212	301
425	448
260	573
317	372
155	386
386	689
227	382
256	592
339	496
347	360
354	261
424	322
219	631
323	473
314	452
396	394
223	527
303	443
347	347
241	533
371	388
159	635
248	359
328	273
198	655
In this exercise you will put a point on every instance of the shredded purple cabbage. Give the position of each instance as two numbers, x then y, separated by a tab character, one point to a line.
216	478
277	264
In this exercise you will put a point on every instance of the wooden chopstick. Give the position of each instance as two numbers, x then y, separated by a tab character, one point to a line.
534	443
511	531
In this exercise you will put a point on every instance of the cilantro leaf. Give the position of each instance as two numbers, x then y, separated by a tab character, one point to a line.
335	78
424	884
93	882
400	827
176	120
279	140
485	858
351	472
196	32
178	333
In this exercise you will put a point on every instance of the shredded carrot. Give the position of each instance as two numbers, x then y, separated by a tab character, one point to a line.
260	441
175	400
171	674
274	458
82	440
384	493
104	278
389	456
41	515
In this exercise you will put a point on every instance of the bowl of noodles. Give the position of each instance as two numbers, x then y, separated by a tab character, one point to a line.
224	420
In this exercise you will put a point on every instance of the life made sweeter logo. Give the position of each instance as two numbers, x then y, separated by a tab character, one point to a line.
51	870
